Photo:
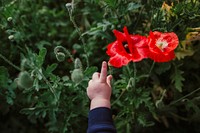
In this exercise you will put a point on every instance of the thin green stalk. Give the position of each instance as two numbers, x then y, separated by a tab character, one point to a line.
70	11
122	93
110	70
152	66
129	85
138	18
48	83
9	62
172	103
134	75
131	82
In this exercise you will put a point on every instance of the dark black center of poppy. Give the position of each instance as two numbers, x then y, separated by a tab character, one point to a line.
125	44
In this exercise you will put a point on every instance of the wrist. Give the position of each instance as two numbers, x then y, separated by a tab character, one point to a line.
99	102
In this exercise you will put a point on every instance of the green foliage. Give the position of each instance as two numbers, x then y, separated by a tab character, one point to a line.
4	76
55	50
178	79
25	80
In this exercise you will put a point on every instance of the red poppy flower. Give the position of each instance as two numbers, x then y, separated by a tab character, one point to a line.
162	45
127	48
138	46
118	50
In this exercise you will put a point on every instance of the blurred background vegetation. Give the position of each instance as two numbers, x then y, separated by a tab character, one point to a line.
43	82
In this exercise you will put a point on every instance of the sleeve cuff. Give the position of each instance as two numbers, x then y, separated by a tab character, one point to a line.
100	121
100	115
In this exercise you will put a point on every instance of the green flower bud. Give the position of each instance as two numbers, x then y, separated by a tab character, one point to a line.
77	64
11	37
25	80
60	56
9	19
77	75
68	5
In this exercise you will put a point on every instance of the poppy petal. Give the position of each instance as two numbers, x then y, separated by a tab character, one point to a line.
162	45
162	57
118	61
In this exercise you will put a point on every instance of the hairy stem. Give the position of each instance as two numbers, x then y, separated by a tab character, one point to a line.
70	11
9	62
152	66
48	83
64	50
174	102
134	75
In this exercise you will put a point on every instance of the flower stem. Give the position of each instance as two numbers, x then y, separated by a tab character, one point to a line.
49	85
9	62
121	94
152	66
65	50
134	74
172	103
70	11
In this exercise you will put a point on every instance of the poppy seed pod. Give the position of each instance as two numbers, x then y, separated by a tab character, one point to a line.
77	64
60	56
25	80
77	75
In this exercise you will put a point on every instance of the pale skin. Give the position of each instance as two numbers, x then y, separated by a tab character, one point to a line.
99	88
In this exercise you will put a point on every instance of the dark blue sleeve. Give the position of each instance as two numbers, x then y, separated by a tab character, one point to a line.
100	121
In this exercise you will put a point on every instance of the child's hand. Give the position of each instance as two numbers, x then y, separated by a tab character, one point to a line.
99	88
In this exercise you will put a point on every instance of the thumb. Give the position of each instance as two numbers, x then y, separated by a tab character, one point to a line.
109	78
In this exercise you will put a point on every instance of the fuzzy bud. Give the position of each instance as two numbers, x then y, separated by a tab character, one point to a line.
60	56
68	5
11	37
77	64
25	80
9	19
77	75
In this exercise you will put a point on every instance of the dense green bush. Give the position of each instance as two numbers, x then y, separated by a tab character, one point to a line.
50	49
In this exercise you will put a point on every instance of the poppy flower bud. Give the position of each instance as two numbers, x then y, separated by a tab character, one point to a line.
77	75
60	56
68	5
11	37
9	19
77	64
25	80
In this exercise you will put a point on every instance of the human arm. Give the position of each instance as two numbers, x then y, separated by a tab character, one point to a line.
99	92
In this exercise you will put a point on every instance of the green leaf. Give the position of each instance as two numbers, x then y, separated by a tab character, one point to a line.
40	58
133	6
193	106
9	100
111	3
163	67
178	79
10	94
42	43
89	71
143	121
3	76
51	68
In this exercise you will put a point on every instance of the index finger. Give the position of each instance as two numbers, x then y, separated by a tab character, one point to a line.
103	74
